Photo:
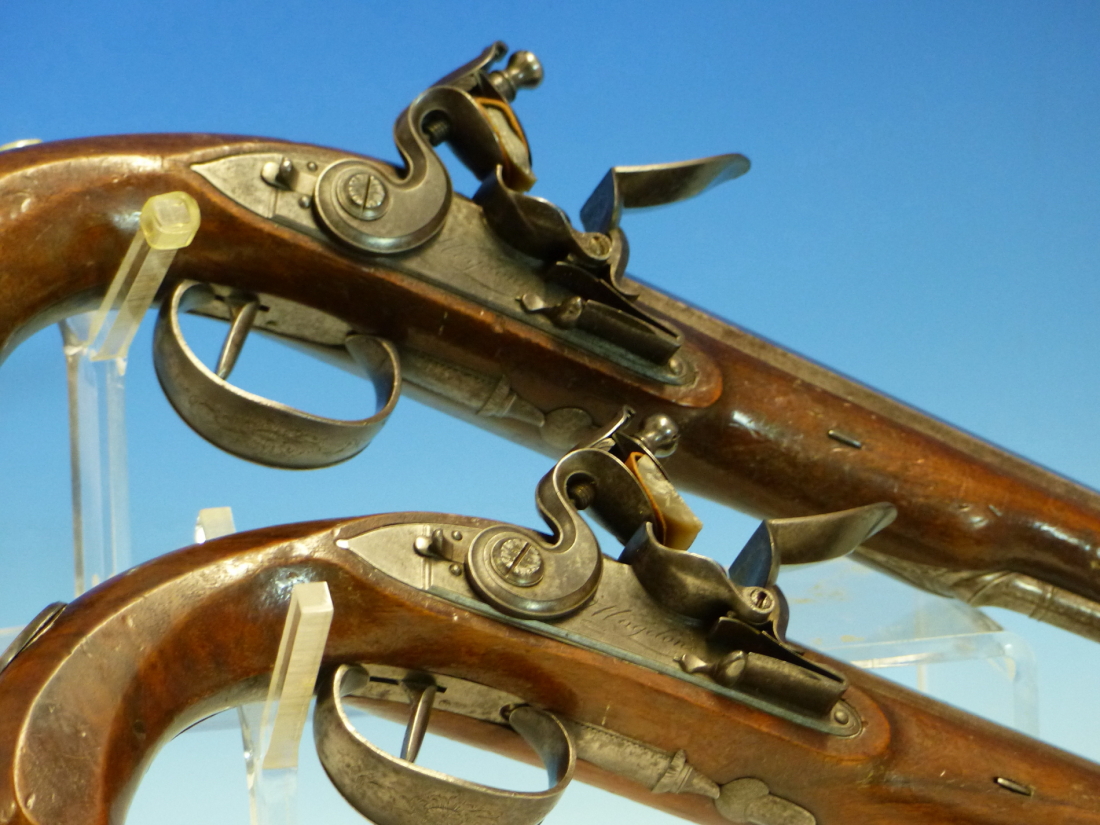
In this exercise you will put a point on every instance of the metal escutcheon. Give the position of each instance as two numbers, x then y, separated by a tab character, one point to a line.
393	791
254	427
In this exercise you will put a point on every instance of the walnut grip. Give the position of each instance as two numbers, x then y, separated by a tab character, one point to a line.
68	211
134	661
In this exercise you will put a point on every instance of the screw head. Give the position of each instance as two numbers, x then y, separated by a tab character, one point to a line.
517	561
761	599
596	244
456	569
365	190
841	716
525	70
363	195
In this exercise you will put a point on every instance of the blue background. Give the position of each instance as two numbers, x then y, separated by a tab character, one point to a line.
922	214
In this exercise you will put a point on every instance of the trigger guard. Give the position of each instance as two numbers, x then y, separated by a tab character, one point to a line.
256	428
393	791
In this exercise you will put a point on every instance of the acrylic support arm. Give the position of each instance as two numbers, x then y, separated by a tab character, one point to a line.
132	663
96	346
272	731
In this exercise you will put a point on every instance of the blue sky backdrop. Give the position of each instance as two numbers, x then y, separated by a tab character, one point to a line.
922	214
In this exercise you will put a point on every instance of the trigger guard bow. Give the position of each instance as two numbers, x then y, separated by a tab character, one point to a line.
256	428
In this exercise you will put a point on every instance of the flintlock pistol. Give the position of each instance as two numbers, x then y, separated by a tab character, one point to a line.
659	675
498	310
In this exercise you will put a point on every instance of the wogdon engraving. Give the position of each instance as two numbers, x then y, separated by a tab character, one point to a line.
629	623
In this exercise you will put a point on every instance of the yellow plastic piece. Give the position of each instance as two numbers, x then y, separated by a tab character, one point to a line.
213	523
19	144
170	221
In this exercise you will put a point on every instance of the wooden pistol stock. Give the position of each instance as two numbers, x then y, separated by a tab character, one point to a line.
503	313
138	659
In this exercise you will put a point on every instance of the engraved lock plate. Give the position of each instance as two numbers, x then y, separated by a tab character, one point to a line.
275	185
465	257
621	620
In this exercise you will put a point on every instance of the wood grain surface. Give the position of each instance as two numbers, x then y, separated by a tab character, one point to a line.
134	661
756	421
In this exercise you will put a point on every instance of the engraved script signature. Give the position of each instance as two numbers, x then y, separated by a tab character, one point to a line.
624	621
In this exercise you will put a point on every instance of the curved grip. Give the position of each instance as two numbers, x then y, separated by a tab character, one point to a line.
68	211
62	247
134	661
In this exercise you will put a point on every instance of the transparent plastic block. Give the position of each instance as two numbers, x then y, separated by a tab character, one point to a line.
97	437
19	144
271	732
213	523
272	794
941	647
168	223
96	345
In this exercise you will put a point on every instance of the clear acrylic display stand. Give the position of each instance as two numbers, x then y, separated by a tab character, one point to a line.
272	730
96	344
213	523
939	646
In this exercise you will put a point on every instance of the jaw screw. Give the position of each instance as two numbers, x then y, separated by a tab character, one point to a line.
524	71
660	434
437	127
581	493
